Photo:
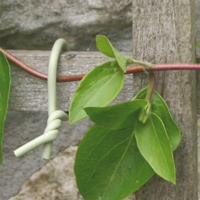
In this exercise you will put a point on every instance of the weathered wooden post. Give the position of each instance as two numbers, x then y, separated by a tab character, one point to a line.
164	32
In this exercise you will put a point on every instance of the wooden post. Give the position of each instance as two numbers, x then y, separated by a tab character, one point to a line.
29	93
164	32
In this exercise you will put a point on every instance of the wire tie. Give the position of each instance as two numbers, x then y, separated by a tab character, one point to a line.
55	116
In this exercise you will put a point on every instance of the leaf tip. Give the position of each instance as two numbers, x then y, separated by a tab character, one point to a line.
173	180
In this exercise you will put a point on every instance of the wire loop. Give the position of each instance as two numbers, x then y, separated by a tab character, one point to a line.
55	116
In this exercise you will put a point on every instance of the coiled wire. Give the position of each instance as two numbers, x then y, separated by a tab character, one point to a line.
50	134
55	116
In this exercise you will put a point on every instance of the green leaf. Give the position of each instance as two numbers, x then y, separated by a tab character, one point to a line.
155	146
109	166
119	116
105	47
98	88
161	109
4	95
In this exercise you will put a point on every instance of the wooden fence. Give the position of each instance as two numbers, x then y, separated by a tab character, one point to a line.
163	32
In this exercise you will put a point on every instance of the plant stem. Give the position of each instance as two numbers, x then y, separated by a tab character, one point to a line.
130	70
151	86
146	65
145	112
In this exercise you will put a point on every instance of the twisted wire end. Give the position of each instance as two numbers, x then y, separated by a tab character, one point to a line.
53	123
50	134
55	116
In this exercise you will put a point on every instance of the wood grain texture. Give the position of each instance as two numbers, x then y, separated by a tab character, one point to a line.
29	93
164	32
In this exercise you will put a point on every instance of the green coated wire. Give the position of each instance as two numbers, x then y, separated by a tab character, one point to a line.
59	46
55	116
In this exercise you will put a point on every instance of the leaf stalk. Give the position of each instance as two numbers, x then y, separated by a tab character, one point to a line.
151	86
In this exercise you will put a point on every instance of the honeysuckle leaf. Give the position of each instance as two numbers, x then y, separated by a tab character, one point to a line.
105	47
4	95
98	88
159	107
154	145
119	116
108	164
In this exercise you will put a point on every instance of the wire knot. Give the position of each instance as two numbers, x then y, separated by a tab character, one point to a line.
51	131
55	116
50	134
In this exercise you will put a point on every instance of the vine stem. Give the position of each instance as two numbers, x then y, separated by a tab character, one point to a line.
131	69
151	86
145	112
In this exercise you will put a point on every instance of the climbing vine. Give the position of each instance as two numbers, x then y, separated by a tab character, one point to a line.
128	143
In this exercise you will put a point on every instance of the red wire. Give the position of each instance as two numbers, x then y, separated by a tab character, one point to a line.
160	67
